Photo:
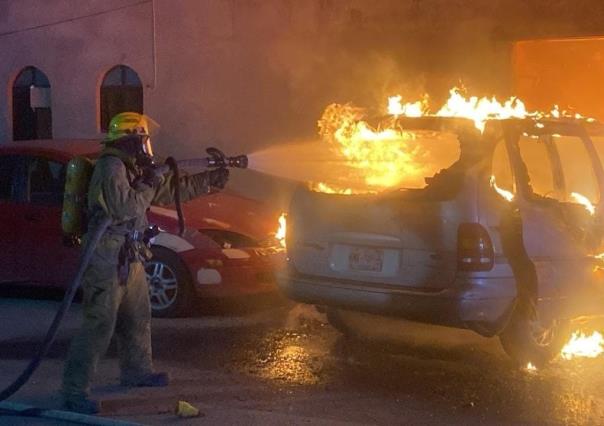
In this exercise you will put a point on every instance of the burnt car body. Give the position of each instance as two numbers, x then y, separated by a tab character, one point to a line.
228	247
456	252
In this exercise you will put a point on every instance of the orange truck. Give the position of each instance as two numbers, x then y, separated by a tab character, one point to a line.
568	72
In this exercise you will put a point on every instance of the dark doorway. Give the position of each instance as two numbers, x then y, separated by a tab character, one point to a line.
32	117
121	91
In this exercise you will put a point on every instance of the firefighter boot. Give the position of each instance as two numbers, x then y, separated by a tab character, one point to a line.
154	380
82	405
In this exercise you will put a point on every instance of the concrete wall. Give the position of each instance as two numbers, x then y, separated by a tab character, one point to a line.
74	55
245	74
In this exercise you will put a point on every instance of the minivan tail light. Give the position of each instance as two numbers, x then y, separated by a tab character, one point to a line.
474	248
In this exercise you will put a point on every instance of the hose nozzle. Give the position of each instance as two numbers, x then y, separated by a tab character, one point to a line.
217	159
239	161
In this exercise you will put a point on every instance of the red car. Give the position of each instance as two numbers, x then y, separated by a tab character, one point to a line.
229	246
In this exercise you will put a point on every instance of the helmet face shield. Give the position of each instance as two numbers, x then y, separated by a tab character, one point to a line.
146	145
152	126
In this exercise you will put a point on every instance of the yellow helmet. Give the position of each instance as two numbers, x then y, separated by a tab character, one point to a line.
132	123
127	123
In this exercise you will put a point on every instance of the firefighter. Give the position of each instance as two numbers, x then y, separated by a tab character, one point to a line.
115	289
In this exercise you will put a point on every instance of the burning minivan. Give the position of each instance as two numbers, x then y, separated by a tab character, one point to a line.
496	228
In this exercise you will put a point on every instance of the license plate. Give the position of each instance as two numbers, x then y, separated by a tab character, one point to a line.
366	259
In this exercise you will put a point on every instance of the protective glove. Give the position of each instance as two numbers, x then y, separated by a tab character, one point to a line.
218	178
150	177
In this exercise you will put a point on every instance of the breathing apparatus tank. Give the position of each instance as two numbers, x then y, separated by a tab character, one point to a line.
77	179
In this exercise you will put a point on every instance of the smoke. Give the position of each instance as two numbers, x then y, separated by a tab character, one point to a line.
320	73
261	73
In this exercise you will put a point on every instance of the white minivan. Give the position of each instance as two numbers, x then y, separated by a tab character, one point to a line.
502	236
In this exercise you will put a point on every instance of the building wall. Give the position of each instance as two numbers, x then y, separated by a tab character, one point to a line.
247	74
564	72
74	55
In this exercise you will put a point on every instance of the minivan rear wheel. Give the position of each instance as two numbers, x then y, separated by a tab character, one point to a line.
529	339
336	321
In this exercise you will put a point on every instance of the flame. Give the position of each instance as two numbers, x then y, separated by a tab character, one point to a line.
507	195
327	189
280	235
481	110
383	156
386	154
581	345
584	201
411	109
530	367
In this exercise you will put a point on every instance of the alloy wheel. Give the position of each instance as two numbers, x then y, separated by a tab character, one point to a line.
163	285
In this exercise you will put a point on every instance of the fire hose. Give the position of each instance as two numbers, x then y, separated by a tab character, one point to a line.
56	322
215	159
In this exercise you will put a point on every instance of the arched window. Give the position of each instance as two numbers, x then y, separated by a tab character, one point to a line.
121	91
32	118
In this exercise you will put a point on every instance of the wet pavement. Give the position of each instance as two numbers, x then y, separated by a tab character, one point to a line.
279	363
429	373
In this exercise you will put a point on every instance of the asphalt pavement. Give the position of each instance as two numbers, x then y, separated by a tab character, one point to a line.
267	361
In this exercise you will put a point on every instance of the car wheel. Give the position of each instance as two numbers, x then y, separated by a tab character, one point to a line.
170	289
531	340
337	321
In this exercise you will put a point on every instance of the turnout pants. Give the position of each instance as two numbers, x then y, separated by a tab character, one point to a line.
110	307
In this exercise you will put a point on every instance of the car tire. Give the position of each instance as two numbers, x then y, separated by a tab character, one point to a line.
339	322
171	292
335	320
530	340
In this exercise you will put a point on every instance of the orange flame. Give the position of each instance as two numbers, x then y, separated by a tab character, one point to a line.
581	345
280	235
328	189
479	110
411	109
385	155
584	201
507	195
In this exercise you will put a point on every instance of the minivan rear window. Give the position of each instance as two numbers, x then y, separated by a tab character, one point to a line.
429	154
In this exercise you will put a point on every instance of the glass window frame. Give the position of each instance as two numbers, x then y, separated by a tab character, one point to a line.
28	161
521	172
19	178
129	86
